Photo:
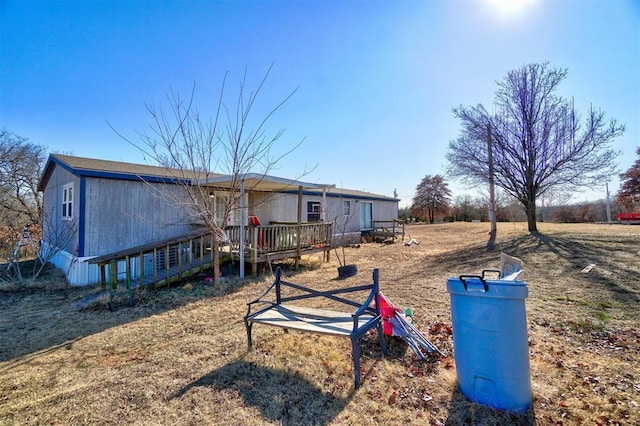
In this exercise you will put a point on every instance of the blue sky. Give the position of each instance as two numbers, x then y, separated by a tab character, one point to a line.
376	80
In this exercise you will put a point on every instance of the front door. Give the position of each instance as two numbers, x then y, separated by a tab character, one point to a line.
220	201
366	216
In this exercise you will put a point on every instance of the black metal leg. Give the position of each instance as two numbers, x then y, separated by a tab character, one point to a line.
383	341
248	325
355	353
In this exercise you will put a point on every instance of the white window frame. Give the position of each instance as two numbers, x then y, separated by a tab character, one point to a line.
67	201
218	205
314	211
347	207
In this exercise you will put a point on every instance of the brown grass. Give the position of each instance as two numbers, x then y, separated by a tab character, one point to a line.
179	355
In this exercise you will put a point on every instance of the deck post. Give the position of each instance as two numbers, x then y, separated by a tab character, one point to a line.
141	268
155	267
254	254
323	213
127	272
202	253
103	276
299	231
166	263
328	237
113	274
179	255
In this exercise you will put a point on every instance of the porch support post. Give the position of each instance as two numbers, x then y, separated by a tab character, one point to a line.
299	230
323	215
242	223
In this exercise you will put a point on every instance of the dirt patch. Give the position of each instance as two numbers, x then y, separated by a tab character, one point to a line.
179	355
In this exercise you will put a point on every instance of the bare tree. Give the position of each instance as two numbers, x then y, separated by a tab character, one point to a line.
629	194
432	196
193	149
465	208
539	140
21	164
41	253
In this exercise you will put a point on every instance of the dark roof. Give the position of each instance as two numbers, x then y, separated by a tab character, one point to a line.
352	193
92	167
355	193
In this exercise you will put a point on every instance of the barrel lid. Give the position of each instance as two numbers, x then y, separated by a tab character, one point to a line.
477	287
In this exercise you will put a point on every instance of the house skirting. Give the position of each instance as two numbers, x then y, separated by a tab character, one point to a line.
76	269
341	239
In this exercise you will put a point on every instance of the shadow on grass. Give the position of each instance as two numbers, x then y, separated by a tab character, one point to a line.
570	253
576	252
465	412
280	396
48	314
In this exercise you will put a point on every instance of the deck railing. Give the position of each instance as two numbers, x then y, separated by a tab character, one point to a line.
388	229
157	263
279	238
174	259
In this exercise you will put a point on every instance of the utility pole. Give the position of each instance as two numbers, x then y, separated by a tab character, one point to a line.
492	193
608	204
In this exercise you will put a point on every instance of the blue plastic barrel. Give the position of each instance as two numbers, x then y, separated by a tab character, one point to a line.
490	344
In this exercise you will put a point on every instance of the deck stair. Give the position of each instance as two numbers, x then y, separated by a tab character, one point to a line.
164	262
385	231
156	264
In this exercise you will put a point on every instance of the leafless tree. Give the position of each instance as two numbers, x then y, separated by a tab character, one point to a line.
58	237
540	141
432	196
194	149
21	164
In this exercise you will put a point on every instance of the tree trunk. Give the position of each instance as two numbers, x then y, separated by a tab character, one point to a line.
491	244
530	208
216	262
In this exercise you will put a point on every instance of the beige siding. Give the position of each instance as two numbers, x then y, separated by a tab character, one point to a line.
271	207
385	210
335	213
121	214
283	207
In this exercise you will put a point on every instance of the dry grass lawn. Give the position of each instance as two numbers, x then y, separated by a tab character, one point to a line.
179	355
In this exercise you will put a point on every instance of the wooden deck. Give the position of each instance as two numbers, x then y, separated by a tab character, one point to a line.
264	244
172	260
159	263
385	231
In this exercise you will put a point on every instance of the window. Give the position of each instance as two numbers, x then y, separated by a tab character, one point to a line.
67	201
366	216
220	207
218	204
347	208
313	211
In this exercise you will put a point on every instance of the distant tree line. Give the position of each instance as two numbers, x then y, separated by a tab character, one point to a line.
433	203
467	208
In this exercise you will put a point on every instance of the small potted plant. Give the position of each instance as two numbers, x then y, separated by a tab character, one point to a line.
344	270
